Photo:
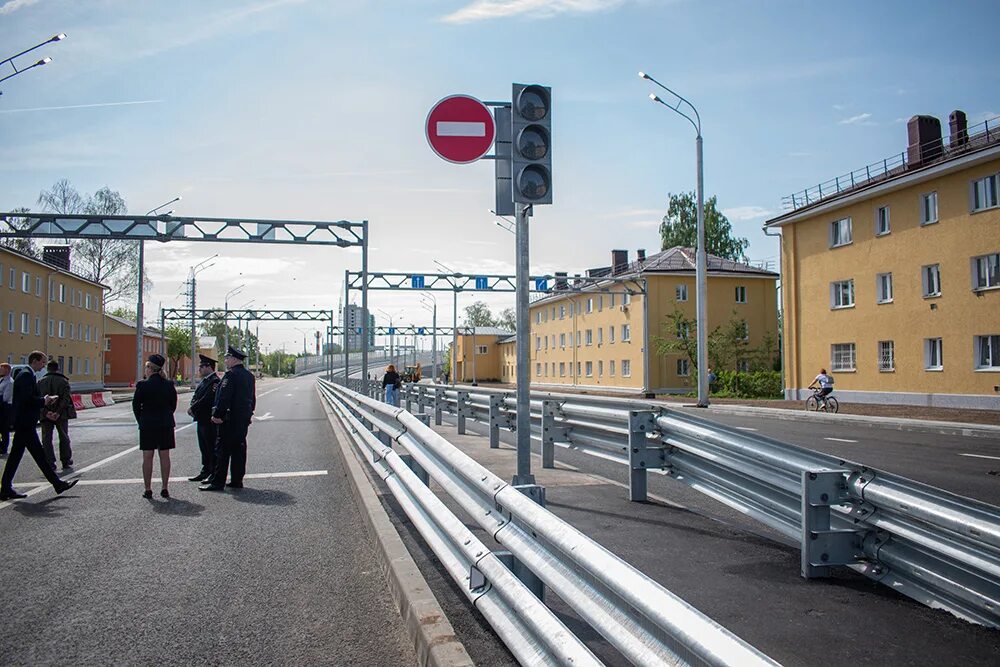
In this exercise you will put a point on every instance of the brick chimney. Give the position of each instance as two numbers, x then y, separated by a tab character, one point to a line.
561	280
958	126
619	261
923	144
57	256
640	255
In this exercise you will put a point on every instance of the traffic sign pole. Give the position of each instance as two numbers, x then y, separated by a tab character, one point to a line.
523	343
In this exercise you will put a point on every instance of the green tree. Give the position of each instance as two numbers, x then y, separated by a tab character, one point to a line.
680	228
178	345
239	337
24	246
478	315
124	313
507	319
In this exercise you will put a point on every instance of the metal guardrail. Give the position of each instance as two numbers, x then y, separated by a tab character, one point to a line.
936	547
646	623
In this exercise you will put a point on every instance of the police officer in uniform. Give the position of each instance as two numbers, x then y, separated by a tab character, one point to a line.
201	410
235	402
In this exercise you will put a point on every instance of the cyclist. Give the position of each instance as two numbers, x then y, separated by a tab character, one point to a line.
824	383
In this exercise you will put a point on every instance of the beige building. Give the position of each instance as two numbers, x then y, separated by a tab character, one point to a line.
892	274
485	345
45	307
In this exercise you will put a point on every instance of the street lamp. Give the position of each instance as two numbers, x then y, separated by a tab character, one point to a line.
701	261
139	311
504	223
304	335
454	324
44	61
244	338
195	270
392	356
434	326
225	314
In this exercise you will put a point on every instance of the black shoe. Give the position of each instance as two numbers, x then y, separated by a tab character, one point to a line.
211	487
164	493
200	477
235	485
66	486
67	467
11	494
148	494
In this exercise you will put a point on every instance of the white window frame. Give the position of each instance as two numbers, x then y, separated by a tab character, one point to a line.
10	321
931	273
741	294
38	325
62	292
588	368
985	272
590	304
611	368
562	311
626	298
683	330
841	232
929	208
743	366
842	294
883	225
600	336
38	285
25	324
626	368
600	302
562	341
538	343
886	356
12	278
538	369
482	349
588	337
52	327
683	368
562	369
579	338
600	368
933	354
883	288
25	282
987	352
62	328
611	335
626	333
984	194
681	292
843	357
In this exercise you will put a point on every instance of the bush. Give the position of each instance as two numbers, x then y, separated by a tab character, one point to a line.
755	384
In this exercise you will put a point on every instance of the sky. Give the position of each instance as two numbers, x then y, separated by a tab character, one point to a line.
315	110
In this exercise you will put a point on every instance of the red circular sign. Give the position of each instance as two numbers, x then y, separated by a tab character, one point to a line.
460	129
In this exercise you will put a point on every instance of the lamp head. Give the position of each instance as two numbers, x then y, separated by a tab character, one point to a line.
44	61
643	75
655	98
58	38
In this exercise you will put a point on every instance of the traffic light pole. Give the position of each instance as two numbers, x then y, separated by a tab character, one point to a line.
523	476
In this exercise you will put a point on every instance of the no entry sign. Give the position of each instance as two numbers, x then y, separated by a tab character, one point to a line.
460	129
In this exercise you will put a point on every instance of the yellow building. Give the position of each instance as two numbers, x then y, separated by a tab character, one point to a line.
893	283
43	306
487	364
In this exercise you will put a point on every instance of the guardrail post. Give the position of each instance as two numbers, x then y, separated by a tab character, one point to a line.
496	404
640	456
551	433
424	418
438	404
421	398
461	406
527	577
421	474
408	397
823	546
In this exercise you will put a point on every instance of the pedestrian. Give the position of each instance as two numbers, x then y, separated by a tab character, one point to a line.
56	416
27	402
201	410
391	384
6	407
712	377
235	402
153	404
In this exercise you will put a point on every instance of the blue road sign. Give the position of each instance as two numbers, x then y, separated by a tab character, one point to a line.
392	330
358	330
482	282
420	331
541	285
417	282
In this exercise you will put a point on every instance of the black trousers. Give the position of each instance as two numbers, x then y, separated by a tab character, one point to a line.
207	434
6	411
65	451
230	453
27	438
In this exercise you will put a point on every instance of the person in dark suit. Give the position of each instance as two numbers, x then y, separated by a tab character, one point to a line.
201	410
28	401
153	404
235	402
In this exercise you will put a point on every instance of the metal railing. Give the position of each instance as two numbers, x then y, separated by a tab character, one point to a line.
934	546
642	620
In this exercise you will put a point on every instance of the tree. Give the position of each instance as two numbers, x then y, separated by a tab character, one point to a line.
238	337
178	345
680	228
124	313
507	319
478	315
24	246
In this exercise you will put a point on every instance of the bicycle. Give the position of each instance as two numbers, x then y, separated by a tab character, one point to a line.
826	403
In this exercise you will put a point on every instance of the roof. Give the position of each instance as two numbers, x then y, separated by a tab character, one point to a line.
508	339
131	324
683	260
52	267
487	331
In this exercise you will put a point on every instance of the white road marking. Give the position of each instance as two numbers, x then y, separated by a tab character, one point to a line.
259	475
454	128
287	394
269	392
263	417
745	428
981	456
840	440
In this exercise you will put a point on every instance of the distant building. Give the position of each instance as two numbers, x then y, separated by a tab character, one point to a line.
119	350
478	355
353	317
891	274
44	306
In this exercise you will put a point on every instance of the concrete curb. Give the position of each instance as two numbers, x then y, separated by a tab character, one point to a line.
432	634
899	424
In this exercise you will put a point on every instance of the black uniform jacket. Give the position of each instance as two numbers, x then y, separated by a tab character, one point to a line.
154	402
204	398
236	398
28	400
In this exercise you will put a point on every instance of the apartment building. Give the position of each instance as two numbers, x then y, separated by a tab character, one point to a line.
478	357
891	274
119	350
44	306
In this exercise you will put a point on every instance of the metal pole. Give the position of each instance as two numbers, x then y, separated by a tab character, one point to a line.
434	345
364	303
257	349
139	316
454	336
523	475
194	341
702	285
347	298
474	383
225	324
163	332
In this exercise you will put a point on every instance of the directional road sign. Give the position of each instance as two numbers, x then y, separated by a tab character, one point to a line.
482	282
460	129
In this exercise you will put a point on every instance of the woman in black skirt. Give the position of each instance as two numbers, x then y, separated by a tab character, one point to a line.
153	403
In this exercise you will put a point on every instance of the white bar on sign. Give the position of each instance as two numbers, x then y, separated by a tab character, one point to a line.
448	128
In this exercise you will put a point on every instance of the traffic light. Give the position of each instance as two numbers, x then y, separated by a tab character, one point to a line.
531	143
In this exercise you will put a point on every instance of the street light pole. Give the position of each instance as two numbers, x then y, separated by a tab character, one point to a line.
139	310
454	324
195	270
225	314
44	61
701	258
434	324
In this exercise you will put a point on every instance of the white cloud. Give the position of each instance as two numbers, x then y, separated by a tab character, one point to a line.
743	213
646	224
633	213
861	118
485	10
839	107
14	5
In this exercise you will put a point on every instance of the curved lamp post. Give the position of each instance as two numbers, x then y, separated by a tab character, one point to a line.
44	61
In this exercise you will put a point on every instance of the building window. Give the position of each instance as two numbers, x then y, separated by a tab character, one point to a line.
600	369
538	317
882	221
611	297
626	333
743	366
746	330
741	294
89	304
931	275
26	282
62	329
986	271
562	369
79	298
681	292
590	369
562	341
683	367
52	327
590	305
107	344
600	302
62	293
12	278
482	349
589	337
886	356
538	343
611	368
562	312
579	338
10	321
883	287
38	286
984	193
578	370
626	368
611	334
928	208
69	368
86	334
683	330
86	366
842	357
840	232
626	298
842	294
107	369
988	352
38	325
25	323
600	336
933	357
538	370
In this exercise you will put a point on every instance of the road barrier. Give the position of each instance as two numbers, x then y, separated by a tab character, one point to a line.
646	623
96	399
934	546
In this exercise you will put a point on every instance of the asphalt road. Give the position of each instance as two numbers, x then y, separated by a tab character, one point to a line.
280	572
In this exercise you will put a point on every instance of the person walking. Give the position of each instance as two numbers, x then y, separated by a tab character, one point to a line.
235	402
391	383
6	407
201	410
27	402
153	404
56	416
